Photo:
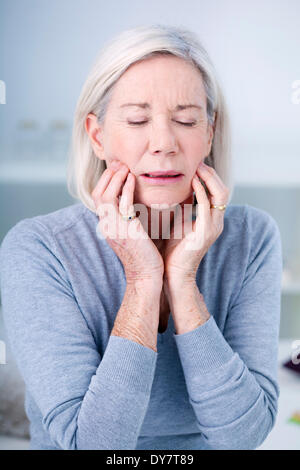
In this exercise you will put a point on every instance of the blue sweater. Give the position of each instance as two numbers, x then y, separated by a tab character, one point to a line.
212	388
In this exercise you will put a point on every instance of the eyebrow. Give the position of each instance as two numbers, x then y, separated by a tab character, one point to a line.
179	107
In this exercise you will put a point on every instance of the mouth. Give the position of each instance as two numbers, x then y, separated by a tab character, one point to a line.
163	173
164	177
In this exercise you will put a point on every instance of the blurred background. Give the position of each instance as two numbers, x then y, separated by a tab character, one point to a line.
47	48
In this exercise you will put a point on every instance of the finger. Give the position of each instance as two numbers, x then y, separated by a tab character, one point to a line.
126	207
203	204
102	191
104	182
126	199
200	192
102	185
114	188
217	190
113	225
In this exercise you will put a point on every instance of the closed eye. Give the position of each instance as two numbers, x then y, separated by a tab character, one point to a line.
138	123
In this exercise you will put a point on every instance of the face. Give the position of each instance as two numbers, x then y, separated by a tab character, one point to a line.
160	135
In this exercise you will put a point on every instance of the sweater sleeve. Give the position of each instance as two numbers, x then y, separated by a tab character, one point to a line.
232	377
86	401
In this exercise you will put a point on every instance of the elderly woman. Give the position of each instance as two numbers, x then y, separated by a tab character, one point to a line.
139	319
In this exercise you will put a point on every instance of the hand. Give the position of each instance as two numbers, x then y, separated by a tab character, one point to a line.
183	256
128	239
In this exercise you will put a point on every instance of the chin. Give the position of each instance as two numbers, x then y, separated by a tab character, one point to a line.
159	204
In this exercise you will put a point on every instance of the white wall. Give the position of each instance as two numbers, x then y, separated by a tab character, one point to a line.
48	46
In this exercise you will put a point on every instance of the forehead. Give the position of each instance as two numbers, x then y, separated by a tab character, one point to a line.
165	77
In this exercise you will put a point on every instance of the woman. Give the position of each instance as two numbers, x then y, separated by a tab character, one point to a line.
127	336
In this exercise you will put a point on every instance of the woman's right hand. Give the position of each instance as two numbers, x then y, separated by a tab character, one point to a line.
137	252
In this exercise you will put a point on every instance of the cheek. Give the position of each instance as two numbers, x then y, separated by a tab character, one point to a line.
123	147
194	139
195	151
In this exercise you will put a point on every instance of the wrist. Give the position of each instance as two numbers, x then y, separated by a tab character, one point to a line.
180	285
138	316
153	286
138	333
188	307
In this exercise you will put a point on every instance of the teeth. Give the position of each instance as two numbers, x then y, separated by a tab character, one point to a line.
161	176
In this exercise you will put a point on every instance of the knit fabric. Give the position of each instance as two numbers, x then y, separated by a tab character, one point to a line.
211	388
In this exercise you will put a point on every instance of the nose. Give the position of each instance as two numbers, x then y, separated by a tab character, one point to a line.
162	140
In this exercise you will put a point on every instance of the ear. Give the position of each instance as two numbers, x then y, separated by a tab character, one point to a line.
95	131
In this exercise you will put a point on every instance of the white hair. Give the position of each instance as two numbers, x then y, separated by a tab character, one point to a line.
130	46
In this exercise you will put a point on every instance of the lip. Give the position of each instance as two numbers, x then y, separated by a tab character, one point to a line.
163	179
162	173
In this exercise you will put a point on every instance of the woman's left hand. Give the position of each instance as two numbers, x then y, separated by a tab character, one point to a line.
182	256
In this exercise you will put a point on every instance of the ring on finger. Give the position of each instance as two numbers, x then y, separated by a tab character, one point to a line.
221	207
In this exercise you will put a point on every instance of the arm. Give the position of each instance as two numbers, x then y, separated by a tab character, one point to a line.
138	317
232	377
187	304
87	401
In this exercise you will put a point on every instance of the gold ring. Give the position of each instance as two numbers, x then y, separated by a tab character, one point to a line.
221	208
